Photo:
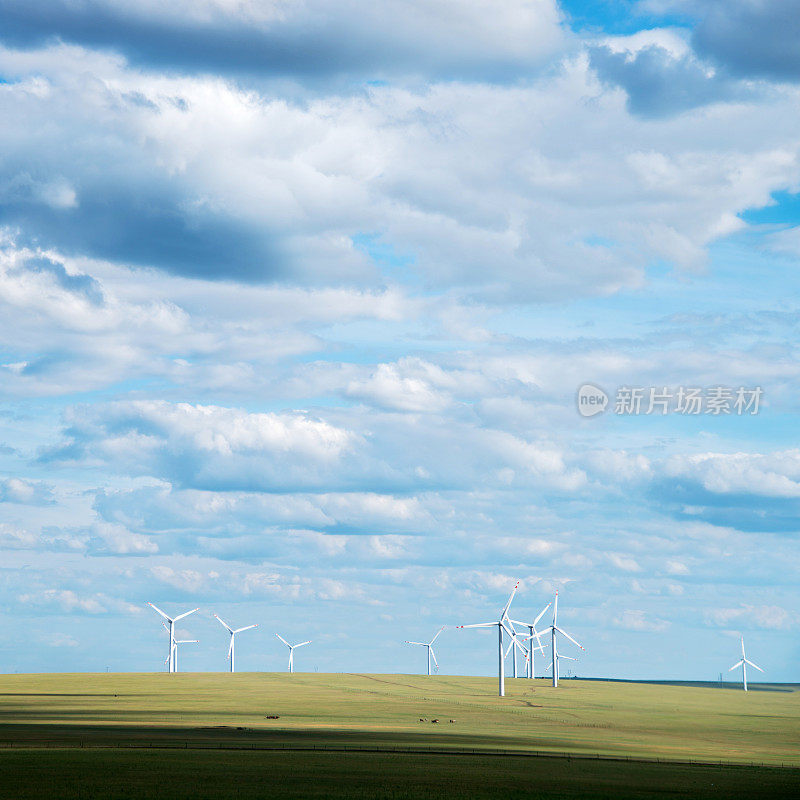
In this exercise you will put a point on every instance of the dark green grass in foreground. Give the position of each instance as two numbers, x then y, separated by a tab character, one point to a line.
152	775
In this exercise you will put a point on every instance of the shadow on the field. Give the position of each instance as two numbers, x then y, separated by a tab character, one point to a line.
429	736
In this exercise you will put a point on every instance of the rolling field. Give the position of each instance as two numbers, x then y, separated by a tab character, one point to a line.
135	724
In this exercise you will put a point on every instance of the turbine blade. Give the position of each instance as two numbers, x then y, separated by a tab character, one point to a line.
424	644
230	647
564	633
181	616
530	638
433	656
541	614
303	643
437	633
478	625
540	647
246	628
223	623
569	658
510	599
160	612
753	665
530	624
284	640
737	664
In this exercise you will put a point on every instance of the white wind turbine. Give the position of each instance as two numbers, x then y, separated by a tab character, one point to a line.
429	646
233	632
533	634
515	645
291	650
503	625
743	664
175	643
170	626
554	629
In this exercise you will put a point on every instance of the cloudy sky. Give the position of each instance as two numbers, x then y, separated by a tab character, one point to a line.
296	297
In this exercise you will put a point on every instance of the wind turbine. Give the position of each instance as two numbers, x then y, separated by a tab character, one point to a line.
554	629
533	634
429	645
231	649
175	644
503	624
743	664
170	626
291	650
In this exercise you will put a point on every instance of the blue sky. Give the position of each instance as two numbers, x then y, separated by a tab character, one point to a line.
295	299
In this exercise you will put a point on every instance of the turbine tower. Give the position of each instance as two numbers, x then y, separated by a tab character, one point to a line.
503	625
429	646
560	658
170	626
533	634
553	643
743	664
291	650
233	632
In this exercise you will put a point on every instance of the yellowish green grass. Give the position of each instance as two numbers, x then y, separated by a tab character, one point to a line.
580	717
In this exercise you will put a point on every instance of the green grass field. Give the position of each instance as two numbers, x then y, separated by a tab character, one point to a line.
126	730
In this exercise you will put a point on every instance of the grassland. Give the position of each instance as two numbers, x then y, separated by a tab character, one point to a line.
107	726
191	774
